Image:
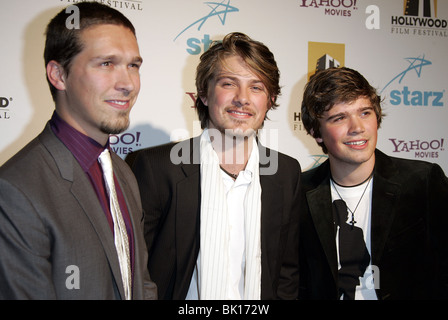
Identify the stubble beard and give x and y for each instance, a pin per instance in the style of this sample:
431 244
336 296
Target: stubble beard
117 125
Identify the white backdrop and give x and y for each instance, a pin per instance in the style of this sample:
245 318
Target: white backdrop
403 55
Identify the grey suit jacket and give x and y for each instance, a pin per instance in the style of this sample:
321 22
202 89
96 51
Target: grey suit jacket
55 241
171 196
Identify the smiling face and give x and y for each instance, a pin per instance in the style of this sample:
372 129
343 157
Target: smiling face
97 95
349 131
237 99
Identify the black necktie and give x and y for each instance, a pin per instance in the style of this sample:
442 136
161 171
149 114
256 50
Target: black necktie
353 255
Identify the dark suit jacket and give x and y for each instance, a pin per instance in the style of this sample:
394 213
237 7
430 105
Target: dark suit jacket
171 196
51 219
409 241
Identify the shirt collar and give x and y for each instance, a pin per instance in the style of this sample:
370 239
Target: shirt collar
253 161
85 149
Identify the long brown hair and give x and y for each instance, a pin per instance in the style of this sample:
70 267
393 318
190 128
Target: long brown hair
255 54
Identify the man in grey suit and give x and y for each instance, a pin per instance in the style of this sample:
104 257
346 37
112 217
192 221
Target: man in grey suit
56 224
221 209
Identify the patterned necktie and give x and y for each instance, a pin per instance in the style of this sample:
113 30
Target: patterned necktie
120 235
354 257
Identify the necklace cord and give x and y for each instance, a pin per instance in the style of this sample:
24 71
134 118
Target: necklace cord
359 201
232 175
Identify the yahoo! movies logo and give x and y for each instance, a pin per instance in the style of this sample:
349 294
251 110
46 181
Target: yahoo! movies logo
125 143
420 18
218 10
421 149
343 8
408 95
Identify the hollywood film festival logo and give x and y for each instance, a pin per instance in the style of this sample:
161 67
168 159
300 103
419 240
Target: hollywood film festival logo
136 5
5 105
321 56
420 18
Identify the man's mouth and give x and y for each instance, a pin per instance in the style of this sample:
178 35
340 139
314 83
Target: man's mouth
240 113
118 103
356 143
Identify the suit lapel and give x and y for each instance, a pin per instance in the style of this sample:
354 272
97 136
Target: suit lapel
384 194
321 213
271 219
271 211
83 192
188 203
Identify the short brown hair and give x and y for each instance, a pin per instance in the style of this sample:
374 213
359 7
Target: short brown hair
332 86
63 44
255 54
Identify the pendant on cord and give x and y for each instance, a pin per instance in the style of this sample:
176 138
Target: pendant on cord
353 220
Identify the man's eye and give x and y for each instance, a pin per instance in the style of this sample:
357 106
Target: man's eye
338 119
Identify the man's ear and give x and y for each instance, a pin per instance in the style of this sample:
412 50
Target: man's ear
56 75
204 100
318 139
272 101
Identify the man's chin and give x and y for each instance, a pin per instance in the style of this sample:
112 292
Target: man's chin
115 128
240 133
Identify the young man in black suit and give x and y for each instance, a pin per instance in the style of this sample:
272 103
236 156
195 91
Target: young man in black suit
221 209
399 205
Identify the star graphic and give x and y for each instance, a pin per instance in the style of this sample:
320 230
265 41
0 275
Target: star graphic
218 9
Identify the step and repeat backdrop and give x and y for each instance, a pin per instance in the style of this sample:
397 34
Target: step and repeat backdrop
400 46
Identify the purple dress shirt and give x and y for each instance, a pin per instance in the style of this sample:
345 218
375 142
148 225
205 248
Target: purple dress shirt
86 151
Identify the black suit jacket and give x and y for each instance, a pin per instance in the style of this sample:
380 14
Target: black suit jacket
171 196
409 243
